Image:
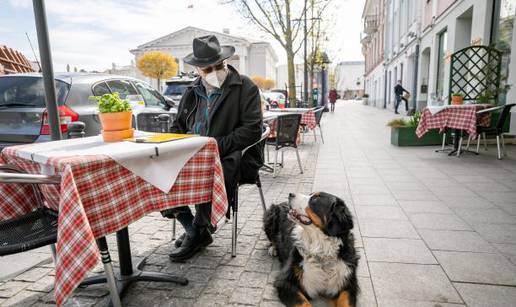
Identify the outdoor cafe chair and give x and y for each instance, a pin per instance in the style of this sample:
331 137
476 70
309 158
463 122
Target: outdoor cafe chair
234 204
496 130
287 128
318 116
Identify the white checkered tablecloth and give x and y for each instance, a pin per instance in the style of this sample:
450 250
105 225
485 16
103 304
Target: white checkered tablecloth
463 117
97 197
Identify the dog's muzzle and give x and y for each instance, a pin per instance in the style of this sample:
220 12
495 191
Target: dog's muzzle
301 218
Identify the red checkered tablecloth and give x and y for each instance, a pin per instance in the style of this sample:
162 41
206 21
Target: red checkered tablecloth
463 117
97 197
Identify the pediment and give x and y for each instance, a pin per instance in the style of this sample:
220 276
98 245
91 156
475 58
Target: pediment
186 35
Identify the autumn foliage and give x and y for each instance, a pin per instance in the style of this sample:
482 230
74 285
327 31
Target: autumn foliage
157 65
262 83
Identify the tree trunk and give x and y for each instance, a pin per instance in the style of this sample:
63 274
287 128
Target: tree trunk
291 79
159 85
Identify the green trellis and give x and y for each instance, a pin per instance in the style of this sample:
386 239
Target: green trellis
475 73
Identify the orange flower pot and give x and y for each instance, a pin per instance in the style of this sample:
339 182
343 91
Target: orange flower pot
117 135
116 121
457 100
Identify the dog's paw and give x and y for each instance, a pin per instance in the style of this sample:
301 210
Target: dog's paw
272 251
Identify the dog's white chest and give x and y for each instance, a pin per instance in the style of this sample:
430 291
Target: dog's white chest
324 278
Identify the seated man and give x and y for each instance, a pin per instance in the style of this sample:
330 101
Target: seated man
224 105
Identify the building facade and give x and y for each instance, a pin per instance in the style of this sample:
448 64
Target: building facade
349 79
419 38
373 40
252 58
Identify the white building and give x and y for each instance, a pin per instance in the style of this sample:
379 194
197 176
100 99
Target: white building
373 49
349 78
282 77
252 58
402 26
448 26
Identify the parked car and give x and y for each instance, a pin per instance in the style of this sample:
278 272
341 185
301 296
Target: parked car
23 116
275 99
176 87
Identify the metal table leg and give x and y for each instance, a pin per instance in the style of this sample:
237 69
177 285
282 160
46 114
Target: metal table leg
128 273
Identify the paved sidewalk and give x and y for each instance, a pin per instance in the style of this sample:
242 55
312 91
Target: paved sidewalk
433 230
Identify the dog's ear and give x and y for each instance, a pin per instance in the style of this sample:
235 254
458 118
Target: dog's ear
340 221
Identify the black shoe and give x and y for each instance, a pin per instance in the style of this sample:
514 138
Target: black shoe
179 240
396 112
191 244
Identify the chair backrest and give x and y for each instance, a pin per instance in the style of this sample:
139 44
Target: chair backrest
265 135
503 116
318 114
287 129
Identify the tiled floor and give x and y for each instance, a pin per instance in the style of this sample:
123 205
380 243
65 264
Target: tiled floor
432 230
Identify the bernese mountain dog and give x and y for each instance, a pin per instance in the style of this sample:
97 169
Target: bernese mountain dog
311 235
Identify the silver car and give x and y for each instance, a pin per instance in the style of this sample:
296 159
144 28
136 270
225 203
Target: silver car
23 117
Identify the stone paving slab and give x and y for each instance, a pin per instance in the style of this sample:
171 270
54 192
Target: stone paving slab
431 230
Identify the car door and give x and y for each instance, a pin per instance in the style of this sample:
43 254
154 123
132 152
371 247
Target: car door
147 118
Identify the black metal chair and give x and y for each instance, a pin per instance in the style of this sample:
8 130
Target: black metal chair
287 129
233 206
243 181
318 116
496 130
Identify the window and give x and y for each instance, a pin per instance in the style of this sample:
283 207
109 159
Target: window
150 95
28 92
100 89
502 34
401 72
442 37
123 87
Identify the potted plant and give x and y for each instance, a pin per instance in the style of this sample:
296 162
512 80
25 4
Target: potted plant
365 99
115 117
403 132
457 98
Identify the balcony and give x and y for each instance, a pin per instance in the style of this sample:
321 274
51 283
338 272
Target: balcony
370 24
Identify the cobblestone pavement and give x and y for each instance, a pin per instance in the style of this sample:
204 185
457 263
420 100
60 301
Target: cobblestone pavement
432 230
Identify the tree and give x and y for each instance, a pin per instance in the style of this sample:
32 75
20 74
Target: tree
269 84
259 81
282 19
157 65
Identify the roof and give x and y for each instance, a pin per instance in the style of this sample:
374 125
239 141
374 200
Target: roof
13 61
187 29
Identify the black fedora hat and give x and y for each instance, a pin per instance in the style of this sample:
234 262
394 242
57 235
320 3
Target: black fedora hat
208 51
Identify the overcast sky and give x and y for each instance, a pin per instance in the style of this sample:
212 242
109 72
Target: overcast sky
92 34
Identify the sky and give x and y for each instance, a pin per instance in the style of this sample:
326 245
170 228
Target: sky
92 34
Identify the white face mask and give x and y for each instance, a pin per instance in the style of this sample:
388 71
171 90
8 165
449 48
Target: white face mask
216 78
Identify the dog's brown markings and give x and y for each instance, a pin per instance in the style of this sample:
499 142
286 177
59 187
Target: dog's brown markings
342 300
298 272
305 302
314 217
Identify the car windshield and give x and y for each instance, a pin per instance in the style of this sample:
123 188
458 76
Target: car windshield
28 92
274 95
176 89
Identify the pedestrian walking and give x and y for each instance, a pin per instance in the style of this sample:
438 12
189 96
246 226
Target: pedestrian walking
398 92
332 96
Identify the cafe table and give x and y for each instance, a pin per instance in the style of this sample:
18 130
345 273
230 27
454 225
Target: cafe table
307 115
107 186
458 117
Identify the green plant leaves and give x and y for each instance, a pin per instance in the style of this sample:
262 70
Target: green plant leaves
111 103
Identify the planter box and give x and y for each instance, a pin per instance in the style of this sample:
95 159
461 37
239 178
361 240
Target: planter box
406 136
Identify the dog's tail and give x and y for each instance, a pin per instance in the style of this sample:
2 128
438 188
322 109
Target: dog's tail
271 221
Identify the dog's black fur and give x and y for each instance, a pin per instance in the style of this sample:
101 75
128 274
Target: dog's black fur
335 220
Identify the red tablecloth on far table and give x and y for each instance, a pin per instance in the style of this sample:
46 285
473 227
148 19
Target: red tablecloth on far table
97 197
462 117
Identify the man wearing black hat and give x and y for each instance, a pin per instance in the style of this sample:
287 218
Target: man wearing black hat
224 105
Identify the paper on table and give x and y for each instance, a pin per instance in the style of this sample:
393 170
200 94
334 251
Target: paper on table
139 158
